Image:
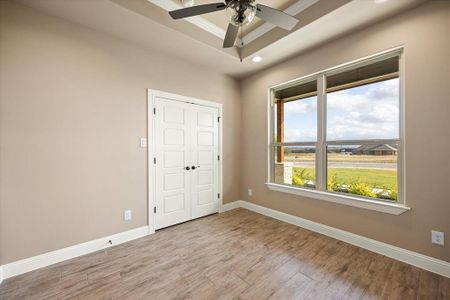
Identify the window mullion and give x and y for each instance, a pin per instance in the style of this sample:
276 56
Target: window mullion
271 141
321 150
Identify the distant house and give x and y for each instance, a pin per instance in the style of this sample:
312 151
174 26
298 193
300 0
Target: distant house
348 149
301 150
381 149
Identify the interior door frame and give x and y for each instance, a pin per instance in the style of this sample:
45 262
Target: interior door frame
151 167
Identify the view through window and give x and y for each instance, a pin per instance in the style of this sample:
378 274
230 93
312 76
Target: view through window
357 151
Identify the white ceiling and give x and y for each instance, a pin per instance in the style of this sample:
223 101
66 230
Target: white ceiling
156 31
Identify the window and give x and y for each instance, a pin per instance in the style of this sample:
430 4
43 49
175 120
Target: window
338 132
296 136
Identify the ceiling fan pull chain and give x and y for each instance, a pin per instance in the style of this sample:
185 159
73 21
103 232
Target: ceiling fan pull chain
242 44
242 41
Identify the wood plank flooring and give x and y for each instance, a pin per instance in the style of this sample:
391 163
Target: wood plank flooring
235 255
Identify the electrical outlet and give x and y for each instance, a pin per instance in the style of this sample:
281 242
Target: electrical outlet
250 192
437 237
143 142
127 215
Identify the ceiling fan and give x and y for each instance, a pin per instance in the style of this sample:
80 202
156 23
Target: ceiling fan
240 13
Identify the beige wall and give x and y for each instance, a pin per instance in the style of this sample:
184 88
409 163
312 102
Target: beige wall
73 107
425 32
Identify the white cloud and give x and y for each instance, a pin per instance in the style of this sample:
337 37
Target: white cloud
372 113
303 106
345 101
367 112
354 114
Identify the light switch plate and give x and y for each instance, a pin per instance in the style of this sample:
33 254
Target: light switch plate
250 192
143 142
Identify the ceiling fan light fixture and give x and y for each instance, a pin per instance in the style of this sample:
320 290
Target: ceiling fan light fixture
241 13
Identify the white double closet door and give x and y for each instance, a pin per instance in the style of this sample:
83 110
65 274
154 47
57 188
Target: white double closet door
187 170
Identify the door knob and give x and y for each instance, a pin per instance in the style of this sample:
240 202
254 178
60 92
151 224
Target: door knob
187 168
195 167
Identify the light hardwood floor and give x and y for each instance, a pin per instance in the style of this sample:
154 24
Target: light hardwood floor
235 255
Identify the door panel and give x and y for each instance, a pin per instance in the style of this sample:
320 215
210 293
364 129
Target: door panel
205 157
175 181
186 135
205 197
205 177
174 203
173 114
204 154
174 136
205 138
172 149
174 159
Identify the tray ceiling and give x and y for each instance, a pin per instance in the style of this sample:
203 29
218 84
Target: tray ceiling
199 39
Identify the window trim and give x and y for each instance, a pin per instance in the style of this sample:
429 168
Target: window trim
366 203
321 191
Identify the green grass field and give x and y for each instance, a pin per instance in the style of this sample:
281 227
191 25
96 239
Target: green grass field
372 178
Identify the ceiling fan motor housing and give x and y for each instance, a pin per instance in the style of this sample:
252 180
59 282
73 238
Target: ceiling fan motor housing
241 12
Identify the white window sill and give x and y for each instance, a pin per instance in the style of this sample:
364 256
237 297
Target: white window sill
385 207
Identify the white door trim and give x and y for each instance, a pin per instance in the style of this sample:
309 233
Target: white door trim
151 95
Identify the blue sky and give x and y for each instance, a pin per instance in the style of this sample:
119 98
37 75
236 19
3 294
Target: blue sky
365 112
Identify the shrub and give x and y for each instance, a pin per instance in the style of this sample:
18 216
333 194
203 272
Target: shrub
297 180
343 184
333 183
362 189
300 178
393 194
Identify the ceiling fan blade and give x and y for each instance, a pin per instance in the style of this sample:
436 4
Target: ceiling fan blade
276 17
196 10
231 35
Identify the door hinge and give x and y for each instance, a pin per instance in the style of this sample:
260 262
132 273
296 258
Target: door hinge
218 196
154 111
154 209
218 119
218 157
154 160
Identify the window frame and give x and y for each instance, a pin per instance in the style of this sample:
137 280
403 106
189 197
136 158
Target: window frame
321 192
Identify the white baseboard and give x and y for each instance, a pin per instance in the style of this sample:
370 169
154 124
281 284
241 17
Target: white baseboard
230 206
413 258
53 257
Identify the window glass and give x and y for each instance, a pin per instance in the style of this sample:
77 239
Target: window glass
295 165
364 112
368 170
300 120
